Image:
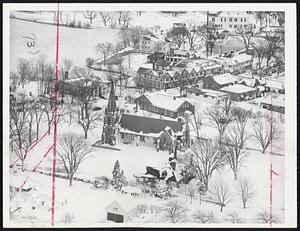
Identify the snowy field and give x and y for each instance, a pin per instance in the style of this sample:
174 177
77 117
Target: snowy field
72 41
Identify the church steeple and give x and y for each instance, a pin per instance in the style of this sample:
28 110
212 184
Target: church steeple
111 106
110 119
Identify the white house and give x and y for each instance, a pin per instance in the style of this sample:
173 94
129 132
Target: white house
229 20
121 211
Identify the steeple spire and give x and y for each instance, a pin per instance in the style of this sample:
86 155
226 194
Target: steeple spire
111 106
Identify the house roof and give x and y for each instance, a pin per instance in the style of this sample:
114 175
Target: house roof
143 124
238 89
125 204
274 100
225 78
143 70
163 63
240 58
165 101
274 84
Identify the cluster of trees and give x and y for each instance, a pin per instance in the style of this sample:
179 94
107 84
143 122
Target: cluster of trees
26 116
195 35
205 156
176 212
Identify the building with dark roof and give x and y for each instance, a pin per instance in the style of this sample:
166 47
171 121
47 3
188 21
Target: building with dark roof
162 133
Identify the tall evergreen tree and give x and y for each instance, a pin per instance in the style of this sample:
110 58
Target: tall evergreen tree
119 179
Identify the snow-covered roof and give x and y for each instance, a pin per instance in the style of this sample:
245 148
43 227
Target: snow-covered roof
125 204
213 93
225 78
233 14
248 81
240 58
274 84
165 101
238 88
275 100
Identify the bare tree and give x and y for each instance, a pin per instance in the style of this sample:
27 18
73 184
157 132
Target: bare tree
235 140
247 34
24 69
220 117
220 192
47 106
175 211
19 132
38 111
246 191
83 94
196 121
260 50
91 15
265 217
178 35
233 217
125 18
191 191
104 49
192 33
88 121
72 150
208 34
204 157
275 45
266 130
105 17
204 217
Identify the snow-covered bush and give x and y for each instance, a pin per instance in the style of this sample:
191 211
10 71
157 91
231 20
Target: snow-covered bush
233 217
265 217
175 211
102 182
67 218
204 217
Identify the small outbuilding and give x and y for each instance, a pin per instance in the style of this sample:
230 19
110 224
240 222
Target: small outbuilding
239 92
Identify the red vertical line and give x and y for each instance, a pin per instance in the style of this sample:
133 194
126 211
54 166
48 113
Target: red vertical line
271 170
55 118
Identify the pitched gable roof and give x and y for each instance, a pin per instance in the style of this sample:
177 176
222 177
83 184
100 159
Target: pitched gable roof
138 124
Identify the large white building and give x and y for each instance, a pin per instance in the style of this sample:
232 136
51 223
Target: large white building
152 43
230 20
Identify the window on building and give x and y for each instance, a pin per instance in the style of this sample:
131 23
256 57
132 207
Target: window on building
245 25
235 26
245 19
213 19
115 210
230 25
221 19
224 19
235 19
241 20
230 19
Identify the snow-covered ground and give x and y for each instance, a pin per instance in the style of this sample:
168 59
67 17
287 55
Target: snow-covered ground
74 43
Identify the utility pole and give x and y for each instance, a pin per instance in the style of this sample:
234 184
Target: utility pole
207 38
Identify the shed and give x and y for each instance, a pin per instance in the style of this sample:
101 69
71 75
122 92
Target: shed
121 210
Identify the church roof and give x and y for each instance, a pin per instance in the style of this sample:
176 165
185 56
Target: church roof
148 125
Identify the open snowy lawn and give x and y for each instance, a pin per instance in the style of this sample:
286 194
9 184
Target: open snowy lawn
74 43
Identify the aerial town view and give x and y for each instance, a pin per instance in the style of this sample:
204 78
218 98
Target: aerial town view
146 117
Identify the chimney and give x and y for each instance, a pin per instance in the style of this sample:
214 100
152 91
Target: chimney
66 75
